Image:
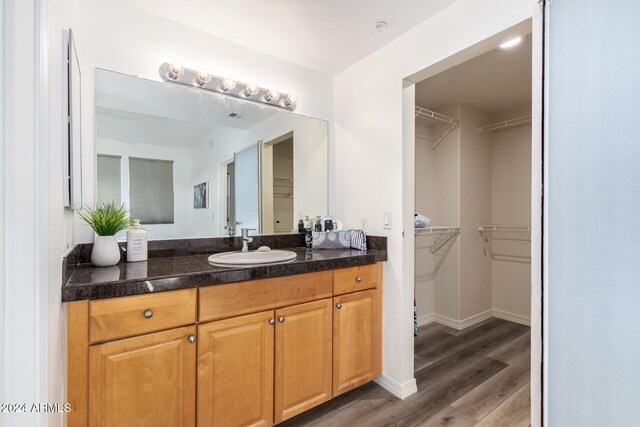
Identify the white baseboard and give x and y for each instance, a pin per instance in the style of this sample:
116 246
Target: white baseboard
401 391
518 318
426 319
473 320
477 318
446 321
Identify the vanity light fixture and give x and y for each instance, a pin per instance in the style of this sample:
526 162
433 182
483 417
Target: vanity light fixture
271 96
173 72
227 84
511 43
289 101
202 78
250 90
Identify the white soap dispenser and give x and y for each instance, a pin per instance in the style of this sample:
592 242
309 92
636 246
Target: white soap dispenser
136 242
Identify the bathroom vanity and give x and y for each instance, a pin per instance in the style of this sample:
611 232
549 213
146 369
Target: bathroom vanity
213 346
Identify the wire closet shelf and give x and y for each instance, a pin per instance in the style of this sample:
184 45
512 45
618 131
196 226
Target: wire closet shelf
507 124
282 188
439 241
439 124
507 243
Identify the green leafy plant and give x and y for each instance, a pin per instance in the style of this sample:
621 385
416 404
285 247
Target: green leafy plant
107 220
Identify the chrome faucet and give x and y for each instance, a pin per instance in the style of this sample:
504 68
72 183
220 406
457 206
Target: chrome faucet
245 238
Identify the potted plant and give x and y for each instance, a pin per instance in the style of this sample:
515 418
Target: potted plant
106 221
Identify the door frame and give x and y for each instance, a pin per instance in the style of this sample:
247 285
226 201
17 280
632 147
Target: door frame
535 26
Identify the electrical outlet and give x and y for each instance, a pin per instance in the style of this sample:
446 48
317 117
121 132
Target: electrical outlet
363 223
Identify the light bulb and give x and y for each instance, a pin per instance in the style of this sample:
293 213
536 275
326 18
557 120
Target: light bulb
202 78
250 90
511 43
272 95
175 70
227 84
290 101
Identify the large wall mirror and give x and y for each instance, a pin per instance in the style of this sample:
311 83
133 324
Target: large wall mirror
190 163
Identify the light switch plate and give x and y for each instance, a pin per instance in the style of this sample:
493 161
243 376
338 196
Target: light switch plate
386 220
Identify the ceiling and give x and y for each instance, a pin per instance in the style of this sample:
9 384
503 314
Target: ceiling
494 82
138 128
326 35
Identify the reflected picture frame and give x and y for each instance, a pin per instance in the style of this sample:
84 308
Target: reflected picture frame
201 196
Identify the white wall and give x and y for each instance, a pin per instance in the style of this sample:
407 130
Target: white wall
370 149
121 38
207 164
424 200
511 188
310 162
37 229
475 209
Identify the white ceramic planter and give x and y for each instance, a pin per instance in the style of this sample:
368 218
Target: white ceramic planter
105 251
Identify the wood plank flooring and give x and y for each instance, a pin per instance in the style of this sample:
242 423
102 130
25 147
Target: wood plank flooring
475 377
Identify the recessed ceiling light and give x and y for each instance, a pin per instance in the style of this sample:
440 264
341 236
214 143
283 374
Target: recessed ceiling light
511 43
380 26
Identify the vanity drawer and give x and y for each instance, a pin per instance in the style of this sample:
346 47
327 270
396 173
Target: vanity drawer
233 299
134 315
355 279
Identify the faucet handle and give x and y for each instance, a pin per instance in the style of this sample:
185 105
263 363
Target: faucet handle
244 232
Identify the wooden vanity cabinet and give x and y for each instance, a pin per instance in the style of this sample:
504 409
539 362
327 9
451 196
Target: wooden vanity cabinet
148 380
357 339
235 371
253 354
303 358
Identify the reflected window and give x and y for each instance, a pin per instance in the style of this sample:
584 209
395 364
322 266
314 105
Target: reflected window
151 190
109 179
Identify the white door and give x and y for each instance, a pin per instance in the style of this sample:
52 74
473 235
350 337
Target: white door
247 189
592 213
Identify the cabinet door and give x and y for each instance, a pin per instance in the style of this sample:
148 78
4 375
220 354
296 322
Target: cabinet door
357 340
303 358
235 371
144 381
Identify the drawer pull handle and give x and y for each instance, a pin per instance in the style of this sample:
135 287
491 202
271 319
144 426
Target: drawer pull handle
272 321
358 279
338 306
281 319
148 314
192 339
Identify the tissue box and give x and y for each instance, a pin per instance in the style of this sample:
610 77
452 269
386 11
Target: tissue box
331 240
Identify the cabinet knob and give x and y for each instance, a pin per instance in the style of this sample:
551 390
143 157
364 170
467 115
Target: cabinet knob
192 339
338 306
148 314
358 279
281 319
272 321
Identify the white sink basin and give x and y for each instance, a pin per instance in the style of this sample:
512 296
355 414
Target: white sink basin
251 257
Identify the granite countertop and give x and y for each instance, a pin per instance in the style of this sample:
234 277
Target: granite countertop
83 281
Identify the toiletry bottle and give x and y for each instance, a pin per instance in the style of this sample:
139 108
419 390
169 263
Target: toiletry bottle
301 226
328 224
318 226
136 242
307 222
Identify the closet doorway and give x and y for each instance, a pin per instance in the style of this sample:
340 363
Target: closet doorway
473 148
